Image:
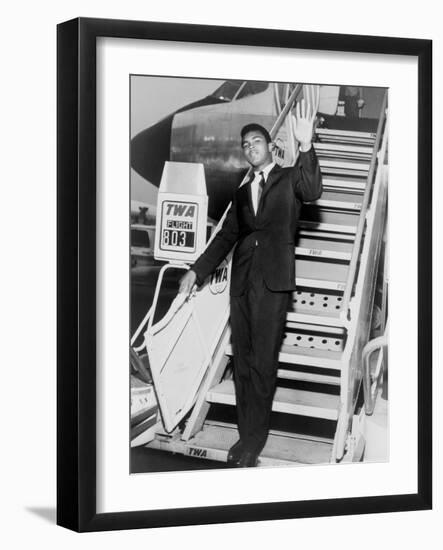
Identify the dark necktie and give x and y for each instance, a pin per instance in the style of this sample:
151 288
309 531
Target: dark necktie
261 184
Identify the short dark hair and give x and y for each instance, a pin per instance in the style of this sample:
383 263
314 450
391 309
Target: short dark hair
254 127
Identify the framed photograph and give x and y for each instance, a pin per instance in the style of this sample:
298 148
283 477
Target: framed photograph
244 240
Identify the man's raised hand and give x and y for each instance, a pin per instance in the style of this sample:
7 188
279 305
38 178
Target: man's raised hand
305 114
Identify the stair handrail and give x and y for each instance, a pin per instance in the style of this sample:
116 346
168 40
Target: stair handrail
352 271
380 344
140 327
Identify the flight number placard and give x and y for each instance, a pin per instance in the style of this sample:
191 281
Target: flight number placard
178 226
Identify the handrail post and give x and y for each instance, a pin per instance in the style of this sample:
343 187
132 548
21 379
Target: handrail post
377 344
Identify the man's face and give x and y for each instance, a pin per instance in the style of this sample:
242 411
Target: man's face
257 152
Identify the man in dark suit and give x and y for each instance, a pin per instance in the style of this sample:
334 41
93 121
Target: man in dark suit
262 222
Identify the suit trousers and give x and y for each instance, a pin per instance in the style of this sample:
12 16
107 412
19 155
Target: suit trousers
257 322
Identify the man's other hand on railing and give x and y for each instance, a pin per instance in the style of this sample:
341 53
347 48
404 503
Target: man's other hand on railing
187 282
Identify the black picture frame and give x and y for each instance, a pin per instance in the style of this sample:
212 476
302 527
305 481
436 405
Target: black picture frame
76 279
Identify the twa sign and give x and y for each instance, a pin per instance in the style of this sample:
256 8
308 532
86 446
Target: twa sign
219 279
182 211
179 226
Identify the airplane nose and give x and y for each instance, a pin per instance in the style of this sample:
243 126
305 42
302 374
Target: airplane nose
150 149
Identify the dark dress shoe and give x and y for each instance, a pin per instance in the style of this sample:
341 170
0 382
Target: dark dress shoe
248 460
235 452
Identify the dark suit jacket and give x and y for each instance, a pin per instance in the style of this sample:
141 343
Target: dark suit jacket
270 233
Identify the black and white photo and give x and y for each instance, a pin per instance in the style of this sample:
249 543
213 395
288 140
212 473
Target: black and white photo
274 350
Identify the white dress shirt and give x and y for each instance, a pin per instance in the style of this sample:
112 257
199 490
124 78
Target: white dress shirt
254 184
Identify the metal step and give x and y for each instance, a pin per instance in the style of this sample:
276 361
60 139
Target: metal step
216 438
339 200
344 151
327 135
334 228
313 339
317 303
281 447
345 168
321 248
325 220
328 319
325 275
331 330
330 235
297 355
336 182
272 431
313 357
289 401
287 374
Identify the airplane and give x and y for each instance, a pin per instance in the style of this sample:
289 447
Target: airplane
208 131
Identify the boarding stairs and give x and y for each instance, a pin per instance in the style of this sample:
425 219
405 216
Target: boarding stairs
315 407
